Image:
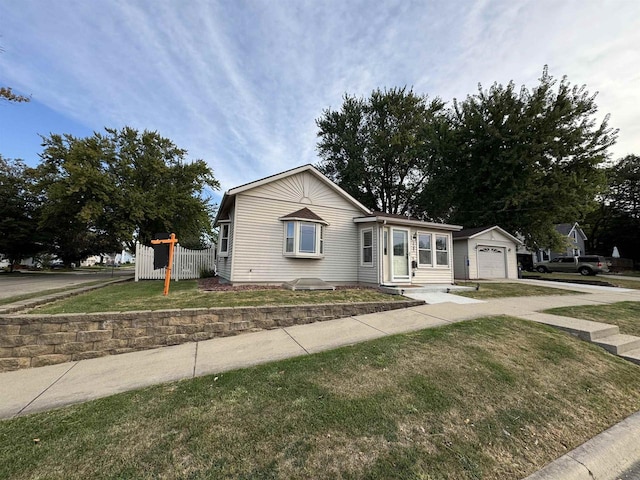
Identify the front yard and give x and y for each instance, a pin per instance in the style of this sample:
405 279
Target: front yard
576 277
147 295
494 398
488 290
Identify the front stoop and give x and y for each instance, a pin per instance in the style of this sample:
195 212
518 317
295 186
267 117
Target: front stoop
602 334
619 344
632 356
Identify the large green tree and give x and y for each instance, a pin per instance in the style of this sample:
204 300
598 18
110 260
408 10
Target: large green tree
616 222
382 149
110 190
19 235
522 159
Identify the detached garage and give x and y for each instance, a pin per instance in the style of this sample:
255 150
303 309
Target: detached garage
484 253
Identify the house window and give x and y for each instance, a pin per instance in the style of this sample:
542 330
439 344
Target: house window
424 249
367 247
289 237
303 239
224 239
442 250
307 238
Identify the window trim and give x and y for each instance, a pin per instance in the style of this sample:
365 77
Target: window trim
368 264
223 238
318 239
447 251
430 249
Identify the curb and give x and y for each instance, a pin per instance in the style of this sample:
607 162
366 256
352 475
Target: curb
604 457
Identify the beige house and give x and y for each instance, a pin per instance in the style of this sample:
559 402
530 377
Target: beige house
485 253
299 224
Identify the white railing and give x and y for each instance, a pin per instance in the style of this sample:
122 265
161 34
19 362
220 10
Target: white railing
187 263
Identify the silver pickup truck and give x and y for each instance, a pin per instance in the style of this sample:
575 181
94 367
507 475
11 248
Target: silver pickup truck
585 265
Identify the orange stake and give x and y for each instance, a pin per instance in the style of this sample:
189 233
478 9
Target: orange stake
172 240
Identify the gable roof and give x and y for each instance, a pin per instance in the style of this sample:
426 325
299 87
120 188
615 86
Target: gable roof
304 214
566 229
474 232
230 194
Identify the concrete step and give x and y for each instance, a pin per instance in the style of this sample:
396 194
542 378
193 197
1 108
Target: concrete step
632 356
585 329
619 344
406 289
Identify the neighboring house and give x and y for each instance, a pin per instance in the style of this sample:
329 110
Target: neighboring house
575 244
485 252
299 224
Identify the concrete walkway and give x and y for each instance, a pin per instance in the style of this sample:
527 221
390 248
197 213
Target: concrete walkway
37 389
31 390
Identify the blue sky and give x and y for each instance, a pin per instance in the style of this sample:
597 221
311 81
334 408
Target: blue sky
240 83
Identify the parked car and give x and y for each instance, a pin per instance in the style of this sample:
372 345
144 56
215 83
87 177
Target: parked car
584 265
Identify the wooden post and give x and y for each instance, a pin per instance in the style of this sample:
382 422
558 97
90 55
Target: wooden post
172 240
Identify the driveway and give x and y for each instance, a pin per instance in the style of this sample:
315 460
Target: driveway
34 282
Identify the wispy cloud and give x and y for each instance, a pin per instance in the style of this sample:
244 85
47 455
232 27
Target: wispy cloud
241 83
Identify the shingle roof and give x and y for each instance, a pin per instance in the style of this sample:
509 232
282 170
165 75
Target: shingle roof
303 213
469 232
564 228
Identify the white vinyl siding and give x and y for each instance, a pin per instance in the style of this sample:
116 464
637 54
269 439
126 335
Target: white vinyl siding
426 274
225 262
468 248
258 256
369 274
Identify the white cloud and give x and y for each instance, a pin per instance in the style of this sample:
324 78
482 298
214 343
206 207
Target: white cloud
240 84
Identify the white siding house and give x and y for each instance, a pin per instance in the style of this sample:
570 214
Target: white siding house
299 224
485 253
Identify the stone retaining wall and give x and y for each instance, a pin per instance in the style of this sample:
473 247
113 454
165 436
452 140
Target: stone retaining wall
38 340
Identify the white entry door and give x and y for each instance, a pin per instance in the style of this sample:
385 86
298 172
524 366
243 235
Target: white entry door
400 262
491 262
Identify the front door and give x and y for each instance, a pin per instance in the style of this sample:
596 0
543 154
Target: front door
400 262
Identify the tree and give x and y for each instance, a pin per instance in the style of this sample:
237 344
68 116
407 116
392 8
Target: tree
381 150
19 236
7 94
616 222
106 191
523 160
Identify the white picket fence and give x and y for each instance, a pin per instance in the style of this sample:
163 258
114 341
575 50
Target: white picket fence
187 263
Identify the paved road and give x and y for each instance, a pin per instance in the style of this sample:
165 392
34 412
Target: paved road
28 282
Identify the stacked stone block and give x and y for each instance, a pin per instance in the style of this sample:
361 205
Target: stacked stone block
38 340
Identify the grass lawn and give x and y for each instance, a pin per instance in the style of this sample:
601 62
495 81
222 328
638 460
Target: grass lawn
625 315
500 289
27 296
494 398
618 282
185 294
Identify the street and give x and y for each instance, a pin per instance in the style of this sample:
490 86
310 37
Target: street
33 282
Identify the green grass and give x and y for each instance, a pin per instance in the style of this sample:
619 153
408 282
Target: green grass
185 294
500 289
27 296
494 398
618 282
625 315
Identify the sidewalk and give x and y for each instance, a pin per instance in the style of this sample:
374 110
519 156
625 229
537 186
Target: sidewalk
39 389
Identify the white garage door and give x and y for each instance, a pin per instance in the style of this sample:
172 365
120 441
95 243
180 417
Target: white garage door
491 262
